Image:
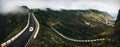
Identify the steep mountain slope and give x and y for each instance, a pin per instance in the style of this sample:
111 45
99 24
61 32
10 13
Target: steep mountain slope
12 23
79 22
76 24
117 27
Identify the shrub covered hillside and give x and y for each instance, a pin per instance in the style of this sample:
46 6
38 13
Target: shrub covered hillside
76 24
12 23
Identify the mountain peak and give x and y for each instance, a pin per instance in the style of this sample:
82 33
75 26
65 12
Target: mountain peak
25 7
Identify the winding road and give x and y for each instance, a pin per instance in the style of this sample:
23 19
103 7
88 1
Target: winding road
74 41
23 39
31 31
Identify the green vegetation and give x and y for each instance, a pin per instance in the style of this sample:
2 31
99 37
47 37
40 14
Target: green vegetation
11 24
76 24
71 23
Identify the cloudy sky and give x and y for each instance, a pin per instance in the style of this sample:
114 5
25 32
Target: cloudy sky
110 6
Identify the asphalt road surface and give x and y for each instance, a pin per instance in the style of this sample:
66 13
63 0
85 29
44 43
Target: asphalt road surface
22 40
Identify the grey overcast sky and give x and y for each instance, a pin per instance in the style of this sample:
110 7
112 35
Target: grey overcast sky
110 6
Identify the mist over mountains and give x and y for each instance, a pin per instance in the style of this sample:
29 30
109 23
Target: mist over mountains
76 24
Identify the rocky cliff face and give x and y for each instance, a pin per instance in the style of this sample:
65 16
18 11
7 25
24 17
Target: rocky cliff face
99 16
95 16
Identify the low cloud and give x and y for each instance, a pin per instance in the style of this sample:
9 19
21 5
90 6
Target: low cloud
110 6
